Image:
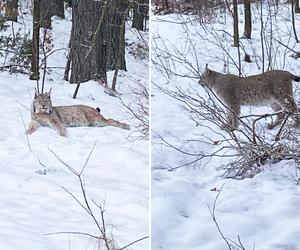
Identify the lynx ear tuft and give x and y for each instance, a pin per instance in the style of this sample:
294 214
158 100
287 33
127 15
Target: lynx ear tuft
207 70
49 92
36 93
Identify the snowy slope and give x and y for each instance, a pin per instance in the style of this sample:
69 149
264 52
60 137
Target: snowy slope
32 201
263 211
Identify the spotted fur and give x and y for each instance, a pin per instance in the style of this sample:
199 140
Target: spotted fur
274 88
60 117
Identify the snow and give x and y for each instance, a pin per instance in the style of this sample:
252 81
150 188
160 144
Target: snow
33 203
262 211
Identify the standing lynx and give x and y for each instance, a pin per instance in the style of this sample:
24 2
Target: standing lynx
274 88
60 117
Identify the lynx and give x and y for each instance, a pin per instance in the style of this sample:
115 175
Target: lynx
60 117
272 88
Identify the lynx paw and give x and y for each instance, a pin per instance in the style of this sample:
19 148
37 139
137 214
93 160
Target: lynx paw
125 126
29 132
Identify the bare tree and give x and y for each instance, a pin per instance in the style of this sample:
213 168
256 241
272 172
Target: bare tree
35 41
88 41
235 24
115 45
50 8
297 8
293 21
11 10
248 23
140 10
103 236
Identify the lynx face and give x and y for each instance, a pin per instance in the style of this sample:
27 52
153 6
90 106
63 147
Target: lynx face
206 78
42 104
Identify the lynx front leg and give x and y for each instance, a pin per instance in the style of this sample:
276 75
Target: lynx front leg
33 126
233 116
58 126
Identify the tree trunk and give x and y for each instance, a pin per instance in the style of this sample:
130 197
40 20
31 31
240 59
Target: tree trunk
293 21
50 8
297 8
88 41
35 41
248 24
45 10
139 14
116 35
235 24
11 10
58 9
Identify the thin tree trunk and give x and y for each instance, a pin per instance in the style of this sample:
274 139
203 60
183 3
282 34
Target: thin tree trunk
297 8
262 38
293 22
35 41
248 24
11 10
58 8
235 24
139 13
50 8
68 64
120 50
116 35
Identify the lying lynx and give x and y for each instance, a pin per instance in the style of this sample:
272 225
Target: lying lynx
272 88
60 117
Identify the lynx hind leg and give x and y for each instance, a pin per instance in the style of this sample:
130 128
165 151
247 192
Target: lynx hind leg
100 121
33 126
288 103
114 123
276 108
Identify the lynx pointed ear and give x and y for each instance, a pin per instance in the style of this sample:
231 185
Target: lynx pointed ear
206 68
49 92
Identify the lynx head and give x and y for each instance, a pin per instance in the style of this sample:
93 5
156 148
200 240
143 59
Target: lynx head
42 103
207 78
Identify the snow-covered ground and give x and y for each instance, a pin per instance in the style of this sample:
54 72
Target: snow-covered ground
263 211
32 201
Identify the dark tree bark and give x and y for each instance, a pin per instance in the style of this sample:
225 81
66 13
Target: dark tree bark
88 41
58 8
293 21
68 64
11 10
50 8
69 3
116 35
35 41
46 14
235 24
297 8
248 24
140 10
